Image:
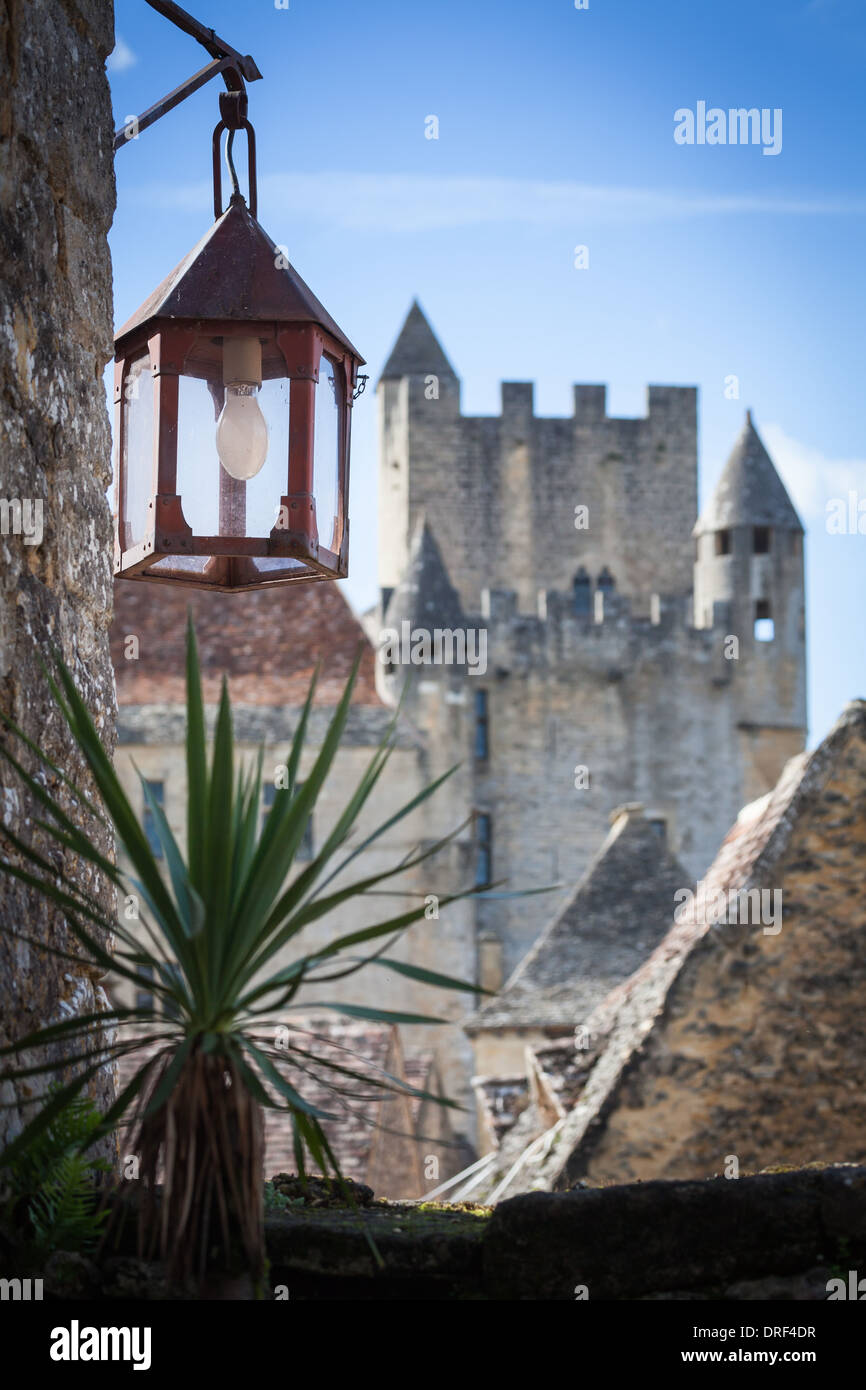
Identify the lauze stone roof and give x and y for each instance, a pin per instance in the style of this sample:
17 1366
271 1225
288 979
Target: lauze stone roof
733 1039
616 915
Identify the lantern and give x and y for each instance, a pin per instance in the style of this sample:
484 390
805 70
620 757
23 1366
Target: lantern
233 403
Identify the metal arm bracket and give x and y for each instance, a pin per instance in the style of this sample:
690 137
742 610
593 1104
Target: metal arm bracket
233 66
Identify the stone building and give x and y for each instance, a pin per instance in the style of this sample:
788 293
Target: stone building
620 665
738 1044
56 205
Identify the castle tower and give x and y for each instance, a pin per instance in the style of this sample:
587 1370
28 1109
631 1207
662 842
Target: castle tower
419 395
749 578
523 502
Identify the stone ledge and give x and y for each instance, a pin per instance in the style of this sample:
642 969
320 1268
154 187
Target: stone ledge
681 1238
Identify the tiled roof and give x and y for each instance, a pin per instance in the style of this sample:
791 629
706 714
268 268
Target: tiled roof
618 912
268 644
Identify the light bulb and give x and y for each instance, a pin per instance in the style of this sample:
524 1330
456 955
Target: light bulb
242 432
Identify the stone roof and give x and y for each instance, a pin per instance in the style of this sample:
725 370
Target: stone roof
689 1012
268 644
417 351
617 914
750 491
425 596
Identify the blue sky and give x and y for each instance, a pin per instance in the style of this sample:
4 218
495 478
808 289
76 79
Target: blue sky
555 130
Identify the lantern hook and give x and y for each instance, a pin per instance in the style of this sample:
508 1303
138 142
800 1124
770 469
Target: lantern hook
233 113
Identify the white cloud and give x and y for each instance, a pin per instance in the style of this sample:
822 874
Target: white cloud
810 477
419 202
121 58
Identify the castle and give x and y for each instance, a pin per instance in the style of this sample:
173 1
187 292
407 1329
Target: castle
635 652
620 661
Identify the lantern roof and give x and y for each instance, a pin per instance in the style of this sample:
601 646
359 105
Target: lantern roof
236 272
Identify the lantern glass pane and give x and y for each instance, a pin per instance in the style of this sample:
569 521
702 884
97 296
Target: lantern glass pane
326 458
136 451
215 503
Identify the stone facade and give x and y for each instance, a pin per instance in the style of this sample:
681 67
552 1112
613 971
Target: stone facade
56 205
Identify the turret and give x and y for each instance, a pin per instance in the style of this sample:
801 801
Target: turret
418 391
749 580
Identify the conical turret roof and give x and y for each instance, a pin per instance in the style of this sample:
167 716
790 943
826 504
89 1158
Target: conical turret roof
417 351
425 596
750 491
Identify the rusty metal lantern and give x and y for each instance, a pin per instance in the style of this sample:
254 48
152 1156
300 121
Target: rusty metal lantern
233 405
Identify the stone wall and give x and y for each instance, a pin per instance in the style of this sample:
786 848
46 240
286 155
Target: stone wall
501 491
56 205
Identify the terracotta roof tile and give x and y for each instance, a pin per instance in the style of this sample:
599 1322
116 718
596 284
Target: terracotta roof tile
267 641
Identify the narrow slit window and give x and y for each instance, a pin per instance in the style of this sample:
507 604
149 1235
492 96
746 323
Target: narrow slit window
482 726
483 849
606 581
582 593
723 542
765 628
761 540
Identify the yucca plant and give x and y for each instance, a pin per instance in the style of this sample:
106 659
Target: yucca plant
210 933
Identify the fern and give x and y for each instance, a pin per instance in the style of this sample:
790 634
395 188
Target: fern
58 1177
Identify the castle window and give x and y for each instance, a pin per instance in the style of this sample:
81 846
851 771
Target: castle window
761 540
269 792
157 791
765 628
483 849
582 593
606 582
482 726
723 542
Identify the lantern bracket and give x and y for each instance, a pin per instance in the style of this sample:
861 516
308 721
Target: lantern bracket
233 66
